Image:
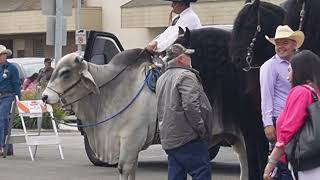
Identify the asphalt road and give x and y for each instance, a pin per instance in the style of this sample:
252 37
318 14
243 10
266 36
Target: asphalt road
76 166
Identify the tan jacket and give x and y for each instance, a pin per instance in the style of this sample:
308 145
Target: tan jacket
184 111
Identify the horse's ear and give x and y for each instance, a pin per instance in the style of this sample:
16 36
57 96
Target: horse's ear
256 3
187 34
181 31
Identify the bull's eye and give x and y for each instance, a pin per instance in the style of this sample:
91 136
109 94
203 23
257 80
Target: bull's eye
66 74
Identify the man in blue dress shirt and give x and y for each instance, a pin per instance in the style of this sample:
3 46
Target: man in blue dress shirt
9 87
275 85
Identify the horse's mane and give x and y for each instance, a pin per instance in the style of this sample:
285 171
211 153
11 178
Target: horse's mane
311 24
211 49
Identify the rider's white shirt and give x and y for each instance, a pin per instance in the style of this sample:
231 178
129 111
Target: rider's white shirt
187 19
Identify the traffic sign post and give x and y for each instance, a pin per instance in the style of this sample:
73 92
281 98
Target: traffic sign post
81 37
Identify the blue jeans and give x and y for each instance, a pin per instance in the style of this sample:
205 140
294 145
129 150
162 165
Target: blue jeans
5 107
191 158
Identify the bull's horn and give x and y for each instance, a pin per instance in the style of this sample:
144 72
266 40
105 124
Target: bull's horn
79 58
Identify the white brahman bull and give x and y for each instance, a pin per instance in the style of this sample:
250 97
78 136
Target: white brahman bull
96 92
99 91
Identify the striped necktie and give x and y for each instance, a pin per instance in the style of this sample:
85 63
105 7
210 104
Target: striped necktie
175 20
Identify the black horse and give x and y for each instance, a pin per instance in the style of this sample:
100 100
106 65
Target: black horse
308 12
231 77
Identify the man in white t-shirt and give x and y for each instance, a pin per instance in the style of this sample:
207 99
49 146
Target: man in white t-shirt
185 17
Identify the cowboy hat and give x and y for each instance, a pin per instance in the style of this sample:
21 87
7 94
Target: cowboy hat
4 50
187 1
285 32
176 50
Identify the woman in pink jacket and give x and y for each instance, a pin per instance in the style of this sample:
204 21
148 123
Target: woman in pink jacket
30 83
304 73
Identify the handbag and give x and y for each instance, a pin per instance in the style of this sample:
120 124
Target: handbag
303 151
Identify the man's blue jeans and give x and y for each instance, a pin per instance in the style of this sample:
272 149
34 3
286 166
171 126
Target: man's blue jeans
5 107
283 173
191 158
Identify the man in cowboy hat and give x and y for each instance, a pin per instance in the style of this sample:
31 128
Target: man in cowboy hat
184 114
46 72
185 17
274 84
9 87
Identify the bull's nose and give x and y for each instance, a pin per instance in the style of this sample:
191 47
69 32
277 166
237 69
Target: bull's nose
44 98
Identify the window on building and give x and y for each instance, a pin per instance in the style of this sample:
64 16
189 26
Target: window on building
38 47
8 43
20 53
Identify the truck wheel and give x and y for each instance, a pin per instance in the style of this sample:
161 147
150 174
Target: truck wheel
213 151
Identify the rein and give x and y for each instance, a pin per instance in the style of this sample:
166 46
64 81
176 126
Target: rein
302 14
250 51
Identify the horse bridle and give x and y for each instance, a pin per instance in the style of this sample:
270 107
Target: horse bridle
60 95
250 51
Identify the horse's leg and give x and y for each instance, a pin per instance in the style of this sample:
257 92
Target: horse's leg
257 152
239 147
128 157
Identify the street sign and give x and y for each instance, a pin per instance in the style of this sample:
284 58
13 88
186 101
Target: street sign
33 108
81 37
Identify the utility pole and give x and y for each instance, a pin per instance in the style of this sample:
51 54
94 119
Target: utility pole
78 23
58 31
56 35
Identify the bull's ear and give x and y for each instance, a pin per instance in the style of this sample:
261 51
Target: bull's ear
87 79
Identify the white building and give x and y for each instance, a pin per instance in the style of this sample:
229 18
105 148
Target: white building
134 22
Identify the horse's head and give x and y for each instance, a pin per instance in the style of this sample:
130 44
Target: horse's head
293 9
248 46
304 14
184 37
